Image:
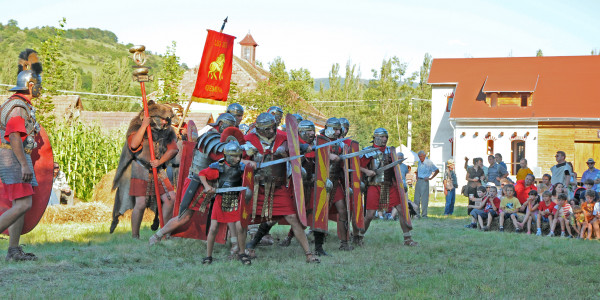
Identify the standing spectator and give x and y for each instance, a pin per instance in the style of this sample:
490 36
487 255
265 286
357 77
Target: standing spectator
545 185
474 178
561 172
498 159
450 184
61 192
592 173
426 171
524 170
524 186
495 171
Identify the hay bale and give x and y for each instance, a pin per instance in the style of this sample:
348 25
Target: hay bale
86 212
103 192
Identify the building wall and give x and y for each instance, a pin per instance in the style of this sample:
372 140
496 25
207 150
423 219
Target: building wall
474 144
441 129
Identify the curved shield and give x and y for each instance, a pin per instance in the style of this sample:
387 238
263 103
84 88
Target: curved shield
404 212
294 150
245 206
321 198
192 131
358 215
43 164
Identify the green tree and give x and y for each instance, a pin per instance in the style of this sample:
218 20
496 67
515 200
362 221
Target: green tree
539 53
169 77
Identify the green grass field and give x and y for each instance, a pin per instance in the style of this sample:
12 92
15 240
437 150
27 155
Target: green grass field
83 261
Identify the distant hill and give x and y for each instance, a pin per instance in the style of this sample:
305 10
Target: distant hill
325 82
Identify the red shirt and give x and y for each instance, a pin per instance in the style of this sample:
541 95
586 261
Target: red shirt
522 191
495 202
550 207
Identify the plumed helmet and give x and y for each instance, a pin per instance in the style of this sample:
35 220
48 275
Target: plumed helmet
265 120
235 109
232 148
333 123
177 112
306 125
30 71
23 80
380 132
298 117
345 123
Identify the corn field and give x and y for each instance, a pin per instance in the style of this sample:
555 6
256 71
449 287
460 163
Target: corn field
85 153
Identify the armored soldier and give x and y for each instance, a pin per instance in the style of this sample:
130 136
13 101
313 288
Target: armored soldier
345 127
18 128
277 112
333 131
237 111
135 157
225 173
272 197
382 189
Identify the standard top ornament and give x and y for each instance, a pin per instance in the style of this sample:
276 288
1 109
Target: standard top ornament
140 73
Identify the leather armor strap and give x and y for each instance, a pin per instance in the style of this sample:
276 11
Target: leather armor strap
384 197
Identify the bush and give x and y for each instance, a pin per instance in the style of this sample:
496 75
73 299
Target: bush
85 153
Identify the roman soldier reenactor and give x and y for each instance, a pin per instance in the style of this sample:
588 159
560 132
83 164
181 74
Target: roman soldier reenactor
135 160
18 129
272 198
237 111
382 189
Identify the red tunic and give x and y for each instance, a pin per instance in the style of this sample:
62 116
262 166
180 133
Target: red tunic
22 189
217 212
373 192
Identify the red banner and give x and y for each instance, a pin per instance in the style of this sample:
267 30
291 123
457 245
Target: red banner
214 73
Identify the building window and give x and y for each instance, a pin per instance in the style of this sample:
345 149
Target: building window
517 153
449 101
494 100
490 147
523 100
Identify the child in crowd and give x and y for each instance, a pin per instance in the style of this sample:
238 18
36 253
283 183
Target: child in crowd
545 184
477 209
563 215
596 221
578 220
546 210
587 208
531 213
491 205
508 207
557 189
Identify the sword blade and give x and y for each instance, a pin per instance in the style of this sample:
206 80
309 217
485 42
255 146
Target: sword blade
330 143
278 161
230 189
361 152
388 166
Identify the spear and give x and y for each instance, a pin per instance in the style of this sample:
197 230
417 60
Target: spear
140 74
190 102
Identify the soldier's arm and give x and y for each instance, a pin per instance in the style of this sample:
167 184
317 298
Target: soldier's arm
138 137
15 139
169 154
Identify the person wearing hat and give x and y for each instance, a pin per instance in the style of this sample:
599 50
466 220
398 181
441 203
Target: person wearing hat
450 185
592 173
523 170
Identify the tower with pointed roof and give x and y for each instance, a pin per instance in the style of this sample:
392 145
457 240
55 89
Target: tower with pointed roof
248 48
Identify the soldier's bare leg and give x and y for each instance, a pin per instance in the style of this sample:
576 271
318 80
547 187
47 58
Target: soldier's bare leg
233 235
173 224
18 209
343 224
301 237
210 239
241 236
167 205
368 218
136 216
408 241
13 220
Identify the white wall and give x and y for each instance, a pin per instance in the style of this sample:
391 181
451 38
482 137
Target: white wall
471 146
441 130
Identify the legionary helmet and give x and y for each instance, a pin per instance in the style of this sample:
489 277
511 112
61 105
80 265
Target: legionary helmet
235 109
224 121
30 71
331 126
277 112
264 122
231 151
303 128
378 134
177 113
298 117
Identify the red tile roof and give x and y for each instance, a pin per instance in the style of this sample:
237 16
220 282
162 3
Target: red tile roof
563 86
248 40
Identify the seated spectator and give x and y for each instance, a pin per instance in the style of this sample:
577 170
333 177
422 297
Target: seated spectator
563 215
491 206
524 170
557 189
61 192
531 210
546 210
508 207
477 209
475 177
587 209
523 187
545 184
596 221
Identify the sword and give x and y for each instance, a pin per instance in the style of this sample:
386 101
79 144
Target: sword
277 161
388 166
230 189
330 143
361 152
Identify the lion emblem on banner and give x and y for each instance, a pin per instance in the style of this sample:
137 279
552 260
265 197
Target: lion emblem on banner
217 67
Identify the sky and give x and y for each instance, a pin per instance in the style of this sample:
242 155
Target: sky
317 34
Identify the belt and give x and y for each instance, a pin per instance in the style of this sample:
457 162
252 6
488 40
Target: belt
421 178
8 146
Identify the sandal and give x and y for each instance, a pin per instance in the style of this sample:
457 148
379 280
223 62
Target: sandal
251 253
409 242
207 260
245 259
154 239
17 254
311 258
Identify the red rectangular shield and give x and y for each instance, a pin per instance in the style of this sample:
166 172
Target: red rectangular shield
291 128
347 187
245 207
358 214
404 212
321 199
214 72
